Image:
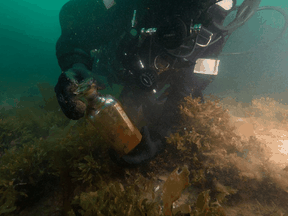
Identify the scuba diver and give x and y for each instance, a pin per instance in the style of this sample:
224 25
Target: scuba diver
160 51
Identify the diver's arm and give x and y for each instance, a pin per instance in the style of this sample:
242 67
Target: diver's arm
73 54
73 46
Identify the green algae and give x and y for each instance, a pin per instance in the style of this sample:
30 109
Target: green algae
69 158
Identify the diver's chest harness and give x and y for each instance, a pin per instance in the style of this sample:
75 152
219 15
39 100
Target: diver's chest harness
149 54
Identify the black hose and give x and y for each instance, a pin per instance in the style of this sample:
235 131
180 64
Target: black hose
244 12
275 40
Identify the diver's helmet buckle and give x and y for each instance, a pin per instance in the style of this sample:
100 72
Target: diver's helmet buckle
203 33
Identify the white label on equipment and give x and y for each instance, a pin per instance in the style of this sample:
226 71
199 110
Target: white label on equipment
207 66
225 4
109 3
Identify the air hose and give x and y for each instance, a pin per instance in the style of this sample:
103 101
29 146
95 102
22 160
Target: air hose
268 44
244 12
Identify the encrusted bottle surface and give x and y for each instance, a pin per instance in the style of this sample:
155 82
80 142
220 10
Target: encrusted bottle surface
106 114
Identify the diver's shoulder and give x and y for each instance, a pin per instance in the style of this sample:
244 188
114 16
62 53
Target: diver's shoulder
73 7
77 4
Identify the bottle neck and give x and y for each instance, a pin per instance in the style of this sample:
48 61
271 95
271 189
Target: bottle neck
95 101
92 96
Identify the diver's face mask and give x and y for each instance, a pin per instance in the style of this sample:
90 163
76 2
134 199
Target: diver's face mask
180 39
172 33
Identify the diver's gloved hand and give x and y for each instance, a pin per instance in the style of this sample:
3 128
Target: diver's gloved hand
142 153
67 83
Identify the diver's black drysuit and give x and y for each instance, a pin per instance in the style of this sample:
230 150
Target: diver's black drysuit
89 27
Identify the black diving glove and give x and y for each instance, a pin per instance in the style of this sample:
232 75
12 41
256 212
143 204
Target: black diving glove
68 81
146 150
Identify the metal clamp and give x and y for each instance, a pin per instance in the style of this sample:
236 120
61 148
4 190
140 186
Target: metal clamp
148 31
202 32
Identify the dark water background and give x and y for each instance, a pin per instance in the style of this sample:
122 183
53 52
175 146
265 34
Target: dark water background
28 34
29 30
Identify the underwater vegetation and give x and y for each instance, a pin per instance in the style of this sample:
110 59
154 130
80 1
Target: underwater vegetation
53 166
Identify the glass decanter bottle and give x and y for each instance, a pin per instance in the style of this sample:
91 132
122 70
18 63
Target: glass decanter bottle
106 114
